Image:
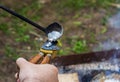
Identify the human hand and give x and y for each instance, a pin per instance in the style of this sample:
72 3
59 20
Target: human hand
30 72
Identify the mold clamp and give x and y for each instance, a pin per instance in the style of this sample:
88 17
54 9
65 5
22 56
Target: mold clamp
50 47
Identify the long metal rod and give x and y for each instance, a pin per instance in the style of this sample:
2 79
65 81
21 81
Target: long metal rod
23 18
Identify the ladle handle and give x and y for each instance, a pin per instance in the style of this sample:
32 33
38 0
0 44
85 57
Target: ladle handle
36 58
46 60
23 18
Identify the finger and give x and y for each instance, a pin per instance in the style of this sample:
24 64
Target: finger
21 62
18 80
16 75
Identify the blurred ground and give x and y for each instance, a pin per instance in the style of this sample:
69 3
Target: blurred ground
82 28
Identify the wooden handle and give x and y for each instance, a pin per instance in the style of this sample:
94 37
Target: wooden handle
36 58
46 59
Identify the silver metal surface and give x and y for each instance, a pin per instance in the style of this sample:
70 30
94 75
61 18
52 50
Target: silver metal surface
54 31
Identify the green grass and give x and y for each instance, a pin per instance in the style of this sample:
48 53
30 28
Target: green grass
4 28
80 46
31 11
79 4
18 29
10 52
21 29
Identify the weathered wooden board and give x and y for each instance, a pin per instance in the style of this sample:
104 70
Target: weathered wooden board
72 77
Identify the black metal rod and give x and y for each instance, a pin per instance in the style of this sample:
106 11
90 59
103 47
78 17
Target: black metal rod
23 18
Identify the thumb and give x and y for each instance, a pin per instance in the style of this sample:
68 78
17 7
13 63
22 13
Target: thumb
21 62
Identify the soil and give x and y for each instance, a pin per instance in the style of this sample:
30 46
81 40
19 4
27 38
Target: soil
83 24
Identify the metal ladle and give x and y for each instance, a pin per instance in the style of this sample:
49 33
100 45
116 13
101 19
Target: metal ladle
53 31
